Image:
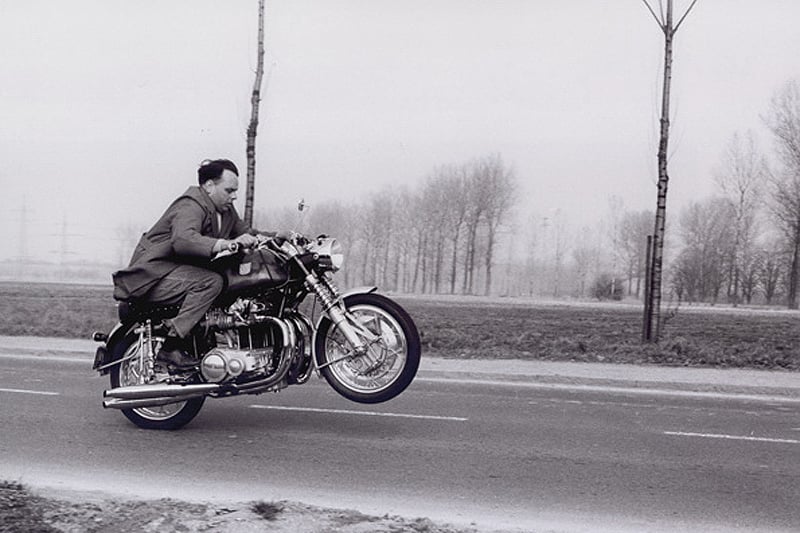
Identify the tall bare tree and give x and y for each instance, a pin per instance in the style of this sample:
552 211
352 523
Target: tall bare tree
558 235
499 184
585 259
739 178
665 22
436 202
768 269
252 128
405 202
631 246
472 222
783 120
701 268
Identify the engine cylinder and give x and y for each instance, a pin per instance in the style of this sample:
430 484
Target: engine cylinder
220 365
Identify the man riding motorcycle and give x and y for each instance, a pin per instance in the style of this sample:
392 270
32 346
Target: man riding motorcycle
171 264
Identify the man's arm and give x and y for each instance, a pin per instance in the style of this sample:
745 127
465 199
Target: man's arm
243 233
187 230
244 240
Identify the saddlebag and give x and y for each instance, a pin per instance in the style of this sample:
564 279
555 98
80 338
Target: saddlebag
254 268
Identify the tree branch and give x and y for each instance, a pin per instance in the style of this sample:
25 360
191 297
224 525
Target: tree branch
660 22
678 25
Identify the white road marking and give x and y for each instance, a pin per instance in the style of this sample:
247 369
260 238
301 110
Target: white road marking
79 358
365 413
25 391
620 390
731 437
643 405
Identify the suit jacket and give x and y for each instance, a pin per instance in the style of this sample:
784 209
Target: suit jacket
185 234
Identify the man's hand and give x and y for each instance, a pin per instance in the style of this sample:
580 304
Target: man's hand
283 236
245 240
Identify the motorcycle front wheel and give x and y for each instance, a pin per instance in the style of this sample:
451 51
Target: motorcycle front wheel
392 357
130 372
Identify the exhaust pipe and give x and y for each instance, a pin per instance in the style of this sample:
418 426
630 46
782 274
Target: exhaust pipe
133 396
160 390
119 403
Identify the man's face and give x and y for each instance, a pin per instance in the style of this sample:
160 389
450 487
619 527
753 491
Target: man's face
223 192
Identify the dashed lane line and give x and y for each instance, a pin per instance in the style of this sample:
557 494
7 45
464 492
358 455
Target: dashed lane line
76 358
731 437
364 413
26 391
642 391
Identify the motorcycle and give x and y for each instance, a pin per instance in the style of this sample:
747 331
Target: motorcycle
259 336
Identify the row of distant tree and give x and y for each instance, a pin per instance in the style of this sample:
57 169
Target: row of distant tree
442 237
456 233
743 245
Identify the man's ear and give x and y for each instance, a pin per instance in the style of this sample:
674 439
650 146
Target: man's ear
208 186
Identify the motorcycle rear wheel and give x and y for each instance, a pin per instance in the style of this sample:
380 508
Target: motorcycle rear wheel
170 416
390 363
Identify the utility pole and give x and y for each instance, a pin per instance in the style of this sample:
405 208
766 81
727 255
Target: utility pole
64 251
652 327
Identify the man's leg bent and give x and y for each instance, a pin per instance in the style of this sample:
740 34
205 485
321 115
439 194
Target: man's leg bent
198 287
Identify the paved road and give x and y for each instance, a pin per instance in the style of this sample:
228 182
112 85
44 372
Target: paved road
533 456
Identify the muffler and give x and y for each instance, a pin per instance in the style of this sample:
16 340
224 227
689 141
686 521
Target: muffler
119 403
160 390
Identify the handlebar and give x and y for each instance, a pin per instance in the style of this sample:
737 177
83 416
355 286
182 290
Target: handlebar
271 243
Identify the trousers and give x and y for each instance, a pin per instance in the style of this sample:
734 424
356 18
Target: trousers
194 288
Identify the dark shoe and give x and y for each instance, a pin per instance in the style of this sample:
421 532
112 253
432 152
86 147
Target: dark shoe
171 354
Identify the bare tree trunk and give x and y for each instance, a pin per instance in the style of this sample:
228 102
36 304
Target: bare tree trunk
385 275
488 263
471 265
663 181
252 128
467 254
439 264
453 264
365 265
654 316
396 272
425 269
417 261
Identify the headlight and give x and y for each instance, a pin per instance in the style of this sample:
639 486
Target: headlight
329 252
337 256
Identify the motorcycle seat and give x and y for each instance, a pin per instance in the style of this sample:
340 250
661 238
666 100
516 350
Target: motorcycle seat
136 310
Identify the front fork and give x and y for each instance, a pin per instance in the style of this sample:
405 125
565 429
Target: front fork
351 328
333 306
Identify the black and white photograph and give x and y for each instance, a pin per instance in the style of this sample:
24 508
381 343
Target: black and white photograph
383 266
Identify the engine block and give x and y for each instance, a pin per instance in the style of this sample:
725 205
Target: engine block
224 364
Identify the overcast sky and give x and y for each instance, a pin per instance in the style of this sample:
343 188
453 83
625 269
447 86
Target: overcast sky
108 106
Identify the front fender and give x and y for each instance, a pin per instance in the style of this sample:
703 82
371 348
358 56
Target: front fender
366 289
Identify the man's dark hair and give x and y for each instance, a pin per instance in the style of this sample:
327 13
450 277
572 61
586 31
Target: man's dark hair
213 169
